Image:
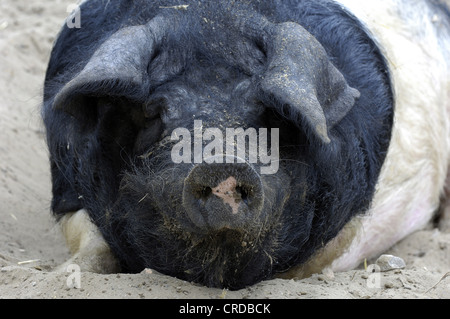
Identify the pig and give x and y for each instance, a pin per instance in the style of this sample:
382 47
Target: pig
231 142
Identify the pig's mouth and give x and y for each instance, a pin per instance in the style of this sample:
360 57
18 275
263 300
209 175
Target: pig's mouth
225 258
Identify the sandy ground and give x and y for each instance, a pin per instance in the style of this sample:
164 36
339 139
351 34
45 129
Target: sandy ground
30 242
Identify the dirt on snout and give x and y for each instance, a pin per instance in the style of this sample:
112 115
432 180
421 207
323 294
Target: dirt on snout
31 244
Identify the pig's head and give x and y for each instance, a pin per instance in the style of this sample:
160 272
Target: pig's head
154 134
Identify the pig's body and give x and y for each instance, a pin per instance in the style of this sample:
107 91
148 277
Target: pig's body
371 160
416 39
413 182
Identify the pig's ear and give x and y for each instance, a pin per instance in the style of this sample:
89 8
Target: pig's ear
116 69
305 84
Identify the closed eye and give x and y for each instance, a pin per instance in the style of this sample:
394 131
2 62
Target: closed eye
148 135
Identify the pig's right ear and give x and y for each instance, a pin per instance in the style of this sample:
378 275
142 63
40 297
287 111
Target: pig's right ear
305 85
116 69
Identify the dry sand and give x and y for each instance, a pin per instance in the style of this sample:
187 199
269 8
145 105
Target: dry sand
30 243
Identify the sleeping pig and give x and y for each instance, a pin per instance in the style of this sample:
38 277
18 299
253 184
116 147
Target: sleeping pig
229 142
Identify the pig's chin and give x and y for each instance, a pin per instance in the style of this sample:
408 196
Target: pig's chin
223 258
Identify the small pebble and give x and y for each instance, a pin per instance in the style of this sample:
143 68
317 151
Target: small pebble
389 262
389 285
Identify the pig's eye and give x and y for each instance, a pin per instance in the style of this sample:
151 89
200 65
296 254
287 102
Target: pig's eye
148 136
152 109
130 125
262 49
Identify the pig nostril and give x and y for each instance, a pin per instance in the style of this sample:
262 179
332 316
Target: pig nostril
243 193
205 192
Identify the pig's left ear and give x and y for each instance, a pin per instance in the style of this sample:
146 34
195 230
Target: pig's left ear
306 85
118 68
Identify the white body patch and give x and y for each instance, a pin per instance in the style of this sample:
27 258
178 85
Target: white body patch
89 250
414 174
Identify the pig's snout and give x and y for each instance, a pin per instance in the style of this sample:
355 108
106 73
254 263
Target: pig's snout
217 196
